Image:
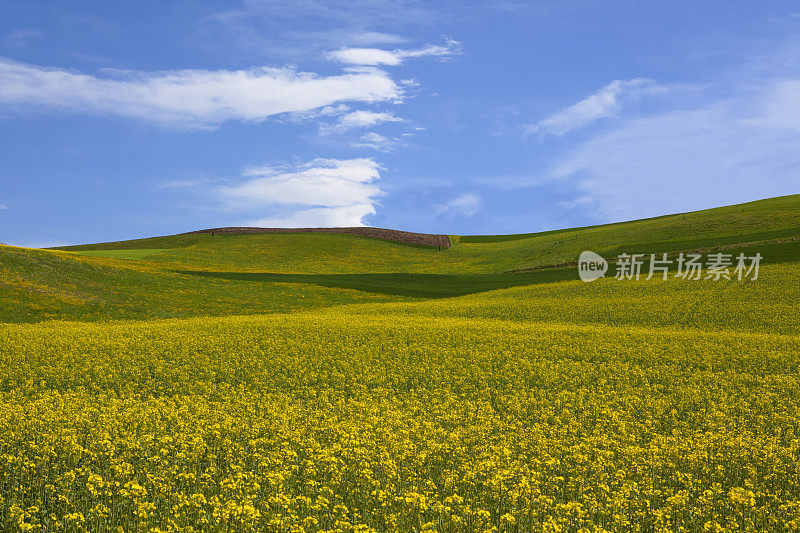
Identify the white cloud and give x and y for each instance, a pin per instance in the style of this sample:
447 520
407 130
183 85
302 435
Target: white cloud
376 141
327 111
358 119
374 37
602 104
188 98
319 217
3 207
372 137
721 153
321 192
362 119
466 204
378 56
366 56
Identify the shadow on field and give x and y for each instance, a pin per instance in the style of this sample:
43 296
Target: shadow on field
415 285
447 285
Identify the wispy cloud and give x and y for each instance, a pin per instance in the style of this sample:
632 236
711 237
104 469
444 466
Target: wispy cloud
314 114
355 13
378 56
719 153
361 119
3 207
374 37
188 98
779 106
286 27
20 37
465 204
322 192
358 119
376 141
319 217
185 184
602 104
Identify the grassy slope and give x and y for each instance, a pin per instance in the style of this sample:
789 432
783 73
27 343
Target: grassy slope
137 253
169 241
770 304
38 285
307 253
761 221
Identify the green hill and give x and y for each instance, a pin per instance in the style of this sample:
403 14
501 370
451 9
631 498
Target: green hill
765 222
39 285
201 274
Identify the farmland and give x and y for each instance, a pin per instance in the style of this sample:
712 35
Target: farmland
316 382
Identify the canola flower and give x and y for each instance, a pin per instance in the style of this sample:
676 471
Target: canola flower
334 421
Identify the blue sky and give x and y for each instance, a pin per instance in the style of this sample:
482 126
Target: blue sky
129 119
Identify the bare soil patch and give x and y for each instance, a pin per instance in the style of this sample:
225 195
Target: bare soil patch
407 237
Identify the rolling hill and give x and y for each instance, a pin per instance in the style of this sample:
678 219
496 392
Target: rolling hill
764 222
204 274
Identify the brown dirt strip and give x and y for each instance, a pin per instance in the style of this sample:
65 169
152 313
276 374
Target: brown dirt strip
406 237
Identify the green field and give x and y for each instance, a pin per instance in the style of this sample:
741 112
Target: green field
132 253
326 382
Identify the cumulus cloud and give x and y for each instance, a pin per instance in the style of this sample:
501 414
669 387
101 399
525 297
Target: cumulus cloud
723 152
466 204
322 192
602 104
378 56
188 98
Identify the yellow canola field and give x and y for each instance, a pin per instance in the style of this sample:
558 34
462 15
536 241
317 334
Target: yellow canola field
342 422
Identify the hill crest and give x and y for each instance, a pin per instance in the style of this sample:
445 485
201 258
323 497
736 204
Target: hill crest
408 237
